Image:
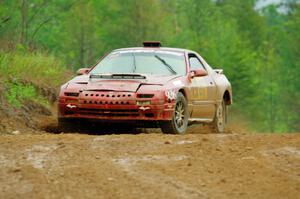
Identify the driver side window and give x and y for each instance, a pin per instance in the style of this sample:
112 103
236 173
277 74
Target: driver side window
195 64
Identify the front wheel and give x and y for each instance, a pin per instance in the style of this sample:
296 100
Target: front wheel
179 122
218 125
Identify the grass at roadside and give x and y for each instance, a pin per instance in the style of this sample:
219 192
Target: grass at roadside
23 74
38 68
16 93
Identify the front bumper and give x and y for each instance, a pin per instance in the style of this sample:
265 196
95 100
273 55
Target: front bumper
115 106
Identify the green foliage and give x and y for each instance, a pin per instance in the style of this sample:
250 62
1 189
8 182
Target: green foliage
38 68
258 50
16 93
22 72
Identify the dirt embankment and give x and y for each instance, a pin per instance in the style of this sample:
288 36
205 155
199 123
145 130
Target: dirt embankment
150 166
31 116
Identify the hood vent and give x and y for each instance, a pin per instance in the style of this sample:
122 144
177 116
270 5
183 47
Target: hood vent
117 76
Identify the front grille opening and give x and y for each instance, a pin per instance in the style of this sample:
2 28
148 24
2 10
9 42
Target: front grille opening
69 112
106 102
114 95
109 112
149 114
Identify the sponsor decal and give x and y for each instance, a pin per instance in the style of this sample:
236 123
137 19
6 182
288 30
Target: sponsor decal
171 94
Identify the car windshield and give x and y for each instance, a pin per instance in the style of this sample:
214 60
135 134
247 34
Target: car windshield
142 62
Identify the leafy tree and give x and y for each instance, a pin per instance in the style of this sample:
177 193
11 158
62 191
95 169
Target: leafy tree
259 50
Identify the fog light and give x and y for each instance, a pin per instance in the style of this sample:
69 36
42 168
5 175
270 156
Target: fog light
71 101
70 106
143 103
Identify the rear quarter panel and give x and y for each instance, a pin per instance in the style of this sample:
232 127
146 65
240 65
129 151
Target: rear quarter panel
221 82
222 85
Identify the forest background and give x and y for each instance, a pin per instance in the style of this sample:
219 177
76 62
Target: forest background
257 46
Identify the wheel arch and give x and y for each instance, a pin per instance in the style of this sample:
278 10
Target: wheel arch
182 90
227 97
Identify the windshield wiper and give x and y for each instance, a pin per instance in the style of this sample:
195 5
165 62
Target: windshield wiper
169 67
134 63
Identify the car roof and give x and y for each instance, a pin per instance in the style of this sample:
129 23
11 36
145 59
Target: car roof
155 48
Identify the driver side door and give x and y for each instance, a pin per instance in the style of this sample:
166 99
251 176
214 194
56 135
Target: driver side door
203 91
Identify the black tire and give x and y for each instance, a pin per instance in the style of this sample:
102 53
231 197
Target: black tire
179 122
218 125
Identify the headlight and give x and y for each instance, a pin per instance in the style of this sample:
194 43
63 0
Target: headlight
71 94
171 94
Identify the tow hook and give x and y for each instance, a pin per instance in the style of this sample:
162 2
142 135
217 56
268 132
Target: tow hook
70 106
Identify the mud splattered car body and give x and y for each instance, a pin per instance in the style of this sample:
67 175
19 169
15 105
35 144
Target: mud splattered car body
169 86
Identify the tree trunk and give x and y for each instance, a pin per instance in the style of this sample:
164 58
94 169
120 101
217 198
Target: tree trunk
24 14
81 46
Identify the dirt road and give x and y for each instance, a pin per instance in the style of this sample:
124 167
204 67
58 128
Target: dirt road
149 166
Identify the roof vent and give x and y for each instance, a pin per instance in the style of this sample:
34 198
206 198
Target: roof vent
152 44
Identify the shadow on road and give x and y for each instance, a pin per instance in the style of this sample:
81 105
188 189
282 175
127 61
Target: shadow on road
96 128
100 129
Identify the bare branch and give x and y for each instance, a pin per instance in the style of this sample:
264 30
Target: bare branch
4 20
42 6
40 26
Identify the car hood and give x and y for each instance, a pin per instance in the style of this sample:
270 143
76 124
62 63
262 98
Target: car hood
130 85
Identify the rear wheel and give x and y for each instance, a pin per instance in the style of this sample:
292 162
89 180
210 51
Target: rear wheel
178 124
218 125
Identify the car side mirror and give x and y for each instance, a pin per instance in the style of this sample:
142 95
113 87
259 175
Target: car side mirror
83 71
198 73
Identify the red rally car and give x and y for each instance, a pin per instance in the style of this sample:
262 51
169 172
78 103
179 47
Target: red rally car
167 87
